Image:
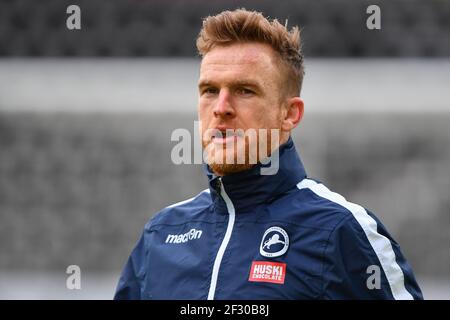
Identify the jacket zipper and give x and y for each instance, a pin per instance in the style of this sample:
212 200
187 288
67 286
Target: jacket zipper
226 239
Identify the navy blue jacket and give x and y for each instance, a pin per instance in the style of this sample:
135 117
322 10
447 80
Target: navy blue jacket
253 236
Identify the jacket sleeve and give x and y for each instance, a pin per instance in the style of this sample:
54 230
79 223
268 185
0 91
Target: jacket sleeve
131 279
362 261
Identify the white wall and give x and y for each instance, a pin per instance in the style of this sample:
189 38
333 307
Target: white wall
170 85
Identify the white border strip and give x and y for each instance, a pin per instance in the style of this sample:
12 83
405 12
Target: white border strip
380 244
188 200
141 85
223 246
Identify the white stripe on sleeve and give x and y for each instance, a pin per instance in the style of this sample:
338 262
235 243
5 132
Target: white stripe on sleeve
380 244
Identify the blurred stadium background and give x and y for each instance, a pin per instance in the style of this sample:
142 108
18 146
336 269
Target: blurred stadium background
86 118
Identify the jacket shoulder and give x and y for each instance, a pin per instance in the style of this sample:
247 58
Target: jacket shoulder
312 205
182 212
333 204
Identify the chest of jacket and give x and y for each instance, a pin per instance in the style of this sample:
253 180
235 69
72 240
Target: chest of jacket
263 259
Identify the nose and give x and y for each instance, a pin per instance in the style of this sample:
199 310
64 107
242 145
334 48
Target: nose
223 107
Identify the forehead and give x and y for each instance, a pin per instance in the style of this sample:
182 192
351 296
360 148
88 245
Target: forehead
250 59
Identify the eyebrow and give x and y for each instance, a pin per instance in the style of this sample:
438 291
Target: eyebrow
237 83
205 83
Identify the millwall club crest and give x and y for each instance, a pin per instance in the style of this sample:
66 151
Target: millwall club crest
275 242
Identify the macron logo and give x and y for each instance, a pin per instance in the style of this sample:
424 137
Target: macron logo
183 238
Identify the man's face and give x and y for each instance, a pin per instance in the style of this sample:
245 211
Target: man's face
239 88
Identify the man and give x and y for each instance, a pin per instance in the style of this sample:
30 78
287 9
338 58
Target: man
255 234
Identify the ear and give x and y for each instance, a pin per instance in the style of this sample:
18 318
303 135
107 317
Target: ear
293 113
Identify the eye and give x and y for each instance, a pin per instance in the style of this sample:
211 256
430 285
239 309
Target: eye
245 91
210 90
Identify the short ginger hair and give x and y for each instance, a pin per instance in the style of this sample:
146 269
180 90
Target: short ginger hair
240 25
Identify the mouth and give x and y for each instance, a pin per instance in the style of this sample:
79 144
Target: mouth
225 136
